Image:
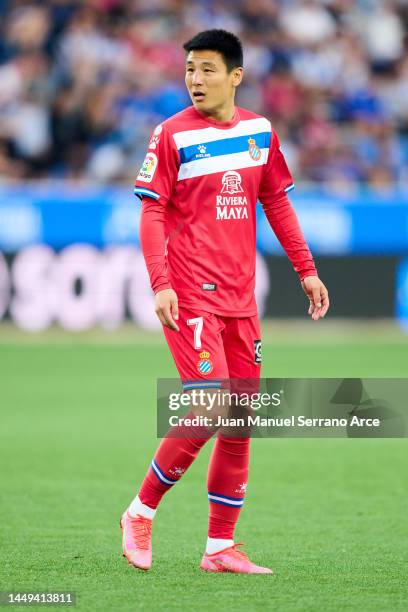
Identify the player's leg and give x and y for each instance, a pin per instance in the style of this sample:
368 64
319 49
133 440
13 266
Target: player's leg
229 465
199 355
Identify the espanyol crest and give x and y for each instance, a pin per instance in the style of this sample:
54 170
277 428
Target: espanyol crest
205 366
253 150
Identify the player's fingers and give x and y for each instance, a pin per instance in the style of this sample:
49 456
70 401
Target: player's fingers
323 312
313 308
317 302
316 312
161 317
169 321
161 313
319 313
174 309
325 303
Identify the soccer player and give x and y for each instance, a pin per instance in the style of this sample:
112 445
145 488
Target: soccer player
205 169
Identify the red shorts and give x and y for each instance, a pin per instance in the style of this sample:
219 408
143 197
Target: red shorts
210 348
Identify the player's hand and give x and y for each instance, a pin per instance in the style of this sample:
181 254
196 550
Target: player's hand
167 308
318 297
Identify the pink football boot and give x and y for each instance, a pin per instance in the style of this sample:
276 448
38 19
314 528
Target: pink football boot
137 544
231 560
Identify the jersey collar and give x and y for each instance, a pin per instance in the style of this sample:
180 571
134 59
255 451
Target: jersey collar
222 125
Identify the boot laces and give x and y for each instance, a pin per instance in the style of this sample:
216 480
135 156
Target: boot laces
238 554
141 531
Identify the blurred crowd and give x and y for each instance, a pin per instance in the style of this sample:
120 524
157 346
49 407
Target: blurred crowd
83 83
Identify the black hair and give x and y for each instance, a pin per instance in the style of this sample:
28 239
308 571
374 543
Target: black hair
226 43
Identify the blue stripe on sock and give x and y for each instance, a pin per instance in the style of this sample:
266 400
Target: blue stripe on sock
161 476
217 501
226 496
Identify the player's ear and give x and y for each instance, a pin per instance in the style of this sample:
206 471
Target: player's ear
237 75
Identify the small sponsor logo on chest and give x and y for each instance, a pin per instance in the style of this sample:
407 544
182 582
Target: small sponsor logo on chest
209 287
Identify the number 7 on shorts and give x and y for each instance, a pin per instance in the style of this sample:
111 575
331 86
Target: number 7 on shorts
198 323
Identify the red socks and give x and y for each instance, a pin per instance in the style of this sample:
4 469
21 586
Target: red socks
172 459
227 481
227 474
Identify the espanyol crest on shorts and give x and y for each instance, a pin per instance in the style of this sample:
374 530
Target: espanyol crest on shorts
205 366
253 150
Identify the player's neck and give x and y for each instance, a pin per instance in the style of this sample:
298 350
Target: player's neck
223 114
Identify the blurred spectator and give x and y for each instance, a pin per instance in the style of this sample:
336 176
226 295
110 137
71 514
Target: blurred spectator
383 34
307 22
83 83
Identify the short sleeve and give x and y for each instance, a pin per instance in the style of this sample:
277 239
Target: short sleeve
158 175
277 178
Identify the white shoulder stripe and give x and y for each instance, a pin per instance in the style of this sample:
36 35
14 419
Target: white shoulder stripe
221 163
211 134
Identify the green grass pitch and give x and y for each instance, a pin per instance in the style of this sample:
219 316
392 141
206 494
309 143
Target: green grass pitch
78 432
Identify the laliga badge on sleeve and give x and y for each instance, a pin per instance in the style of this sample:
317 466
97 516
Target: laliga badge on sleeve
148 168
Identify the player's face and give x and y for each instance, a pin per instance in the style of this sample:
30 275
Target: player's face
210 85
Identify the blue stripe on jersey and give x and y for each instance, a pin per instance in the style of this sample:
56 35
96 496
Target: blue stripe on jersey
142 191
226 146
287 189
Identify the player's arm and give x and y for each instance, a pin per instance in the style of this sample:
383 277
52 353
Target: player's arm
277 181
153 243
154 186
283 221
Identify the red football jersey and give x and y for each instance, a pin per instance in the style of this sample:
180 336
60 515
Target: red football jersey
207 177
